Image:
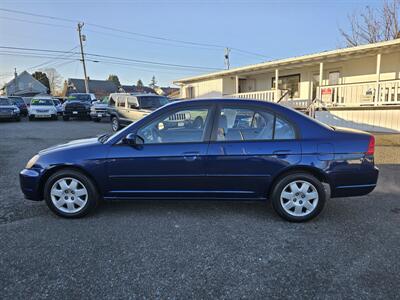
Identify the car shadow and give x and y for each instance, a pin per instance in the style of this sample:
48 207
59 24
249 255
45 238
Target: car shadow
253 209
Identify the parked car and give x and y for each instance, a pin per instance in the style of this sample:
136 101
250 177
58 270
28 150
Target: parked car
58 105
78 106
8 110
42 108
20 103
277 154
126 108
99 110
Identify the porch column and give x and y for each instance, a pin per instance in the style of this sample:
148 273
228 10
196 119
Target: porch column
276 85
321 76
378 77
237 85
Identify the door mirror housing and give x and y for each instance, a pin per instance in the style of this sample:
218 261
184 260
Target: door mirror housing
134 140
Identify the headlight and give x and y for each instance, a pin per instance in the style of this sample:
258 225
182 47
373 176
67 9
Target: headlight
32 161
16 110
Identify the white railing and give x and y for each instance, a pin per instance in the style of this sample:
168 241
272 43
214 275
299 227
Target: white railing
362 94
268 95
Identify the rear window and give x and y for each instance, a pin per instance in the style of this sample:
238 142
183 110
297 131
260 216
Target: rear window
80 97
152 102
42 102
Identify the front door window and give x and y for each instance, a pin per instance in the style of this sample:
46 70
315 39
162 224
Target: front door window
183 126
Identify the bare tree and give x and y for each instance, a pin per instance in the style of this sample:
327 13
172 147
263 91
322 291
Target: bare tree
373 25
55 80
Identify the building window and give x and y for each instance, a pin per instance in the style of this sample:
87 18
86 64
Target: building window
334 77
190 92
290 83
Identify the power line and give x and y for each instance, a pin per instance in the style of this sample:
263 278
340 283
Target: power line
113 57
52 60
149 36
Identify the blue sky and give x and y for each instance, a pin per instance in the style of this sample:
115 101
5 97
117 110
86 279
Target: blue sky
275 29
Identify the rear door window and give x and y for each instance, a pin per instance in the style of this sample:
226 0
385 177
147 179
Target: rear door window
242 124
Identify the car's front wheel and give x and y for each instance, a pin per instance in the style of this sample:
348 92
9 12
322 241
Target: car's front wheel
65 118
31 117
298 197
115 124
70 194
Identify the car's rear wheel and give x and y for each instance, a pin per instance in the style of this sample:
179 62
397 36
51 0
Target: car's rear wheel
298 197
115 124
70 194
65 118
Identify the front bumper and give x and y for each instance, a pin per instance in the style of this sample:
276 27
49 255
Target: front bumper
4 116
29 180
76 113
99 114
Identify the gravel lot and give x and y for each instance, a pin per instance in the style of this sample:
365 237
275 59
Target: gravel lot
190 249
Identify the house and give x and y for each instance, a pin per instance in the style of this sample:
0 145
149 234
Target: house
360 86
134 89
100 88
24 85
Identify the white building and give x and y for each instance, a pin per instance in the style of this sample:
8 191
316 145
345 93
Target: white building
359 85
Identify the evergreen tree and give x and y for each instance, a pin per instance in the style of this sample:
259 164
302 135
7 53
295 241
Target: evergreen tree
115 79
42 77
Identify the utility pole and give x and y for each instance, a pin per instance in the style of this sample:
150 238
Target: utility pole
226 58
81 39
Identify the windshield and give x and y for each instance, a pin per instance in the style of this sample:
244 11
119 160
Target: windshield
79 97
42 102
17 100
152 102
4 102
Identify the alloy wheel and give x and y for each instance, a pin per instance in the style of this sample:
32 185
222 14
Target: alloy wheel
115 124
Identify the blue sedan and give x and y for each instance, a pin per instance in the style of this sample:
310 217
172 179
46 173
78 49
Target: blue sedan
208 149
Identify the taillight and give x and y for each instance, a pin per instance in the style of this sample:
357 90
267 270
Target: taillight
371 146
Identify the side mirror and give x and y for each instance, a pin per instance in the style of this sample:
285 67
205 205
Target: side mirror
134 140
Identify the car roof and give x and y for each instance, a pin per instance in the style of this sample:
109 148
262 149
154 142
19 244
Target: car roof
229 101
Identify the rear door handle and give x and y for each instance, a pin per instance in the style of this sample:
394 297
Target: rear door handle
278 152
190 156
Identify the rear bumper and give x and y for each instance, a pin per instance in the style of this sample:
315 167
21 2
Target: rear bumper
29 180
358 184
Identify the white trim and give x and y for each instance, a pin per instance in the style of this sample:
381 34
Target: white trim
299 59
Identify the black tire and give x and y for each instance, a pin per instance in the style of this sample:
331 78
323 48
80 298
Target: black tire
18 119
31 118
115 124
54 117
96 120
284 182
65 118
92 198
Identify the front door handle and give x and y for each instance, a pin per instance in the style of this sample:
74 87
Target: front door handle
190 156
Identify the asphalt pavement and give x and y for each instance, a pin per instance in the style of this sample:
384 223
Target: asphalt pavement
190 249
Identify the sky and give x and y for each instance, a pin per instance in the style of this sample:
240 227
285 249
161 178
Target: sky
267 29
